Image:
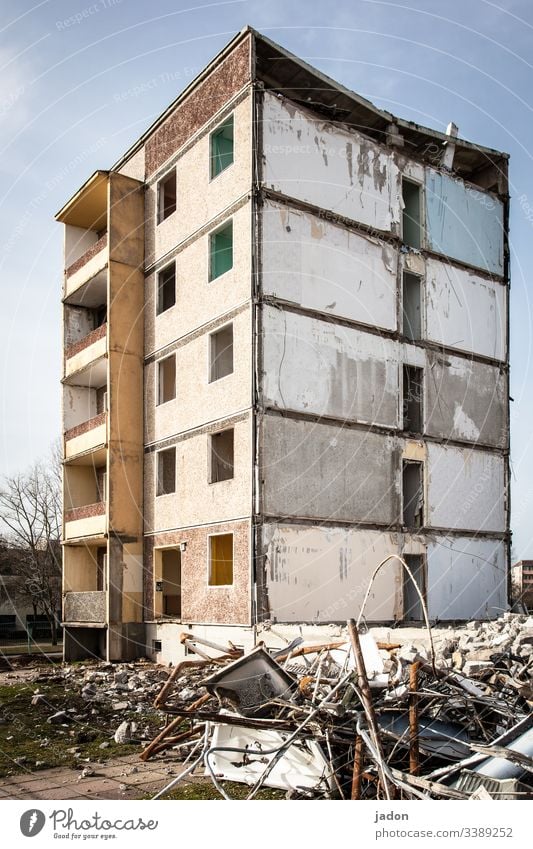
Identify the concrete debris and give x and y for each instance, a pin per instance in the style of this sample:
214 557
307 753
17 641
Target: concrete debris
359 718
125 732
58 718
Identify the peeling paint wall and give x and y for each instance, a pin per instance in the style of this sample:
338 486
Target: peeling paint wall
323 471
464 222
465 311
314 366
318 265
466 578
308 158
465 489
321 574
465 400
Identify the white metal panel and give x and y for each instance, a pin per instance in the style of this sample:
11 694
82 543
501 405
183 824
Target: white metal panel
314 366
465 311
466 578
465 489
310 159
322 266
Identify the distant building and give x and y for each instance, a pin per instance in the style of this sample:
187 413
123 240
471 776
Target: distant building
285 357
522 582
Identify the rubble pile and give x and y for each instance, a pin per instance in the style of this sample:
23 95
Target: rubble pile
359 719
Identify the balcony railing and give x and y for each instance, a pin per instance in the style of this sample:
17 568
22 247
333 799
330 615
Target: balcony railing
89 253
85 427
85 607
85 512
90 339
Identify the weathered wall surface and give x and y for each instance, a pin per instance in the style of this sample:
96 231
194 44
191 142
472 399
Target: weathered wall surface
197 501
465 400
322 471
465 489
199 601
318 265
199 300
197 400
200 199
225 80
465 311
463 222
313 366
311 159
321 574
466 578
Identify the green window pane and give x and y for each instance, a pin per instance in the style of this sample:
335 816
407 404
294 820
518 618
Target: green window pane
222 147
221 252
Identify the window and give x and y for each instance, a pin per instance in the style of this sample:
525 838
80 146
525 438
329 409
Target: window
412 302
413 390
166 288
221 251
166 199
101 483
411 228
413 499
166 379
220 560
221 147
412 606
221 353
222 456
171 582
166 471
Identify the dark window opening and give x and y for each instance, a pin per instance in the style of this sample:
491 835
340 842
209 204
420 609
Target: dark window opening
166 471
166 288
101 559
413 496
221 251
413 391
171 582
412 605
166 370
222 456
411 224
167 196
412 306
222 147
221 353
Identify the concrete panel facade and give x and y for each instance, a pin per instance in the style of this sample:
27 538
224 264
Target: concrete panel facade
320 266
465 311
313 366
321 574
464 222
321 471
465 489
466 578
308 158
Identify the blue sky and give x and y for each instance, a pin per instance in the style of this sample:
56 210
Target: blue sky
82 80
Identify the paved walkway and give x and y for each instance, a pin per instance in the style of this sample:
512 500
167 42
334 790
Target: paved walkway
121 778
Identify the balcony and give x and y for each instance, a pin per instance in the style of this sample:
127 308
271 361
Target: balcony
86 438
85 360
87 267
86 521
86 607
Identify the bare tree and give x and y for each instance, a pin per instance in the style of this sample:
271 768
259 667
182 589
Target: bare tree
30 509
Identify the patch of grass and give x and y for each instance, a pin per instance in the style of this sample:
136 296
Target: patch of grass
29 743
204 789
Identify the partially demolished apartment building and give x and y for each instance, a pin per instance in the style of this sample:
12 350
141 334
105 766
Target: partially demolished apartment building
285 357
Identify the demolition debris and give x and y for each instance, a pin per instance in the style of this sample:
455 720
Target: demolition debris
356 718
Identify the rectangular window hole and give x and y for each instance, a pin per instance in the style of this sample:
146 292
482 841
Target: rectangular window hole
166 288
166 471
221 251
413 392
222 456
221 353
411 226
166 379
